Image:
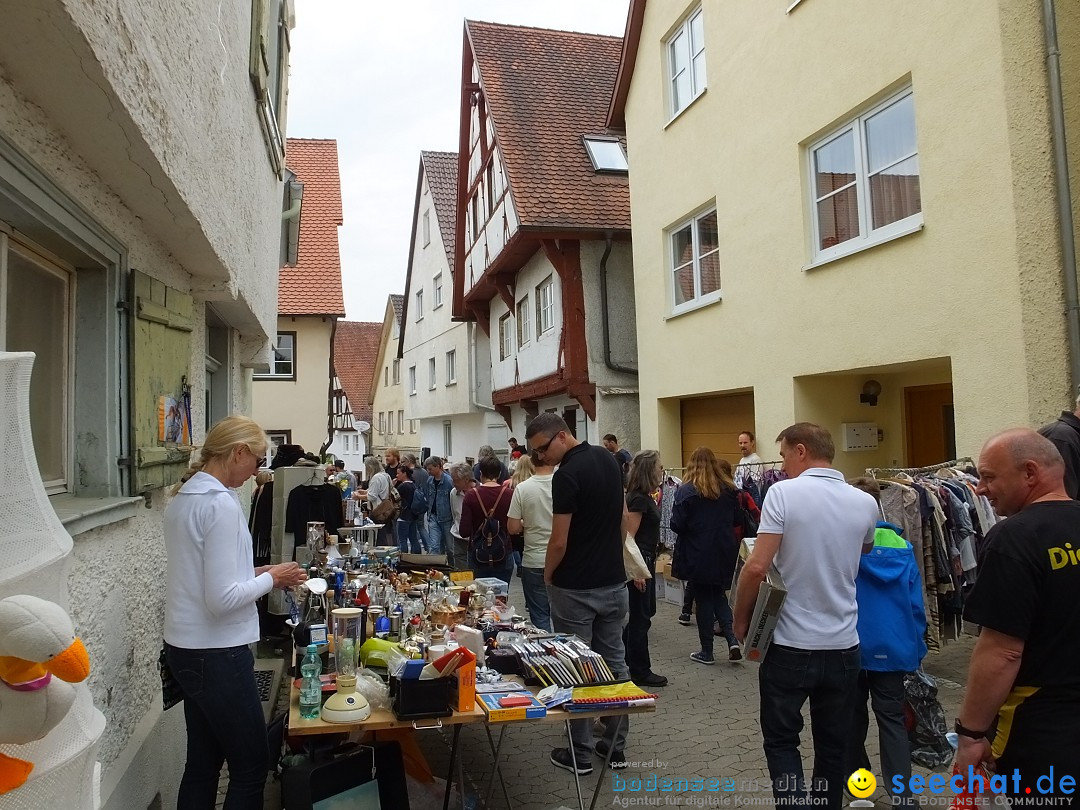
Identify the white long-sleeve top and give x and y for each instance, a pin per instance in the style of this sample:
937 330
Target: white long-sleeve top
211 586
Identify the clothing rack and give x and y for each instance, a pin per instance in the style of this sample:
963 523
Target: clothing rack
876 472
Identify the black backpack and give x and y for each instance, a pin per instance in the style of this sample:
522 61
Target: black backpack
490 544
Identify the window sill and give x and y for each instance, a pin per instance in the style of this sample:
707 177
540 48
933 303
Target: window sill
451 383
257 378
714 298
689 104
437 306
873 242
80 515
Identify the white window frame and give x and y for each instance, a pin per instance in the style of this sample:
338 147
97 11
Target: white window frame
412 425
867 238
397 371
401 422
273 375
426 230
451 367
545 306
382 422
412 381
506 337
431 374
448 439
436 294
524 325
419 298
698 84
698 300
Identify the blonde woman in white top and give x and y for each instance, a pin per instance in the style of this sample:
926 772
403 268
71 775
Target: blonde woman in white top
211 617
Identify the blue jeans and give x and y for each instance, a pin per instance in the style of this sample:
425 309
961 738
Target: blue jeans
420 531
536 597
886 693
787 679
596 616
503 570
408 540
224 724
439 539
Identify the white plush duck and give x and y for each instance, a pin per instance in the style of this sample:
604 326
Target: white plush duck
40 657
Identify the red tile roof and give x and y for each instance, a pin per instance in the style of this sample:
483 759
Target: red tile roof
398 302
313 287
441 170
545 90
356 349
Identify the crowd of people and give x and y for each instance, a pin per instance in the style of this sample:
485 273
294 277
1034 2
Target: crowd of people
851 626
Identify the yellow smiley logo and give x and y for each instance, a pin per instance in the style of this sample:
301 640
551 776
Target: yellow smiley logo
861 784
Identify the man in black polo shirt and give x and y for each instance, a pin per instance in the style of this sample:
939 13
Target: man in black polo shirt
584 568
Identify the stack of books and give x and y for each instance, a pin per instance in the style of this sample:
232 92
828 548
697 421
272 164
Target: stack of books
562 662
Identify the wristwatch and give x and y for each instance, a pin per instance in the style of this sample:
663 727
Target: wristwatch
959 728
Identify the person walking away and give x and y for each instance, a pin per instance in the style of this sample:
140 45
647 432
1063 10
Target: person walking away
462 477
440 517
407 537
643 522
421 501
892 629
1022 698
484 524
210 617
814 527
584 569
530 514
1065 435
703 518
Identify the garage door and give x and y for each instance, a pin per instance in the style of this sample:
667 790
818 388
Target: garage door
716 422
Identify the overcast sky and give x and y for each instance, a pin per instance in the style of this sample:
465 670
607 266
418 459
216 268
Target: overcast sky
383 79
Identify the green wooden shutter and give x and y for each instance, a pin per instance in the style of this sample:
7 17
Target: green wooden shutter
161 326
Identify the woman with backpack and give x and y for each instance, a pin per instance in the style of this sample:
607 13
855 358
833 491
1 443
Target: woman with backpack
483 524
407 536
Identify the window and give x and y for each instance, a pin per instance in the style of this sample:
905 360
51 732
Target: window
606 155
419 304
268 66
506 337
382 422
436 293
448 439
523 330
451 367
865 179
386 375
686 62
397 371
283 365
401 422
427 228
431 372
412 425
695 261
412 380
545 306
278 438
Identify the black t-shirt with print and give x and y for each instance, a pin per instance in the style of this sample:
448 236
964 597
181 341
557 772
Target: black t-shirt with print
648 533
588 486
1028 587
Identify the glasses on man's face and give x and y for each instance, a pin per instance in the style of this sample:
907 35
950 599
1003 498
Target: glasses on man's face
543 448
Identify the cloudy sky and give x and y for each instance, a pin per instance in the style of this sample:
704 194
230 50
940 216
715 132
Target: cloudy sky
383 79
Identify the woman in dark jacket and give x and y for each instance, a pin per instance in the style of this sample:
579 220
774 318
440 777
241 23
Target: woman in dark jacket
703 519
643 522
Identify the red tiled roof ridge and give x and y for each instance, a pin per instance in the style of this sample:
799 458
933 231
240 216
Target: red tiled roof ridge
440 168
544 30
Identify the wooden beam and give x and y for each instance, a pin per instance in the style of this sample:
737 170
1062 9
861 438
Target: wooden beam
565 257
546 386
504 412
506 290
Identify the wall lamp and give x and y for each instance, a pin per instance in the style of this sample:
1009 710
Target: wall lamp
871 389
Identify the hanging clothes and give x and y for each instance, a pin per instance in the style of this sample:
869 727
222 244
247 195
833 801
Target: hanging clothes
666 501
306 503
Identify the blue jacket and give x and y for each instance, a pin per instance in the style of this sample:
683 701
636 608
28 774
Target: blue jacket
438 495
892 620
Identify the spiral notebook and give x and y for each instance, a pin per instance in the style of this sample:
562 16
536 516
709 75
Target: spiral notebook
626 693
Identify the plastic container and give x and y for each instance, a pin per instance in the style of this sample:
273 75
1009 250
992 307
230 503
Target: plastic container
310 685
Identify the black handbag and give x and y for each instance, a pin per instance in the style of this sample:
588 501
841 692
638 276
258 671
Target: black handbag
171 694
745 521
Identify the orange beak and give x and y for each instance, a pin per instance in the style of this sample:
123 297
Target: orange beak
72 665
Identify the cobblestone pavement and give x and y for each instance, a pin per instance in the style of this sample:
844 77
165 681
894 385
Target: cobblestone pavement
705 726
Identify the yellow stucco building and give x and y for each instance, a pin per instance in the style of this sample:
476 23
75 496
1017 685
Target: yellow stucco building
839 203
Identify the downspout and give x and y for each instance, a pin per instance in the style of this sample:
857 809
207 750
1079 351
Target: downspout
605 315
1064 193
474 365
330 392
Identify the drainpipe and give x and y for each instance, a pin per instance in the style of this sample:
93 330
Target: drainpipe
330 392
1064 194
605 315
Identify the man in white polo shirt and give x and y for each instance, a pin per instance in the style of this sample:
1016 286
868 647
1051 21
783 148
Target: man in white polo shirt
814 526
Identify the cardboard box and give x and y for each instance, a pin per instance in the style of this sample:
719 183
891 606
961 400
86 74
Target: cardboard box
498 714
770 599
673 590
463 693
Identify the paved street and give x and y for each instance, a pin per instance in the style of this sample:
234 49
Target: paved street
705 726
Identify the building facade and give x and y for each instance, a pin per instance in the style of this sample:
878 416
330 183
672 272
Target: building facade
877 250
294 401
543 222
141 195
391 386
454 409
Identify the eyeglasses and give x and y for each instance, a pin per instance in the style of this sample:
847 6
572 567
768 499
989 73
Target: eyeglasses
260 460
543 448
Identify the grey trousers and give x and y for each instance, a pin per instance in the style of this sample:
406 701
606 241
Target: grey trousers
597 617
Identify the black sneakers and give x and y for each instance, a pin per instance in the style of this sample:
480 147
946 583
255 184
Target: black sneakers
564 758
618 759
685 620
652 680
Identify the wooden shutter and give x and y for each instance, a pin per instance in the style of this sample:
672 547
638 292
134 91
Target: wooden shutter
161 326
258 64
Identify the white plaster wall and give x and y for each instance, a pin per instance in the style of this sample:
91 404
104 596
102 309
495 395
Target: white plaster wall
622 321
468 432
540 356
979 284
587 428
354 459
392 398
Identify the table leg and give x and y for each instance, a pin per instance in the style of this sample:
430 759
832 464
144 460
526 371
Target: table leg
573 758
607 762
495 749
450 771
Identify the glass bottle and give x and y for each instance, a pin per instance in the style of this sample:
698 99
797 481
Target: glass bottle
310 684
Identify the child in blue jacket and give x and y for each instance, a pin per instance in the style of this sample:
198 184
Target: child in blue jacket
892 630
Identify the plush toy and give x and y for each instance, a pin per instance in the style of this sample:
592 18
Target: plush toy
37 642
